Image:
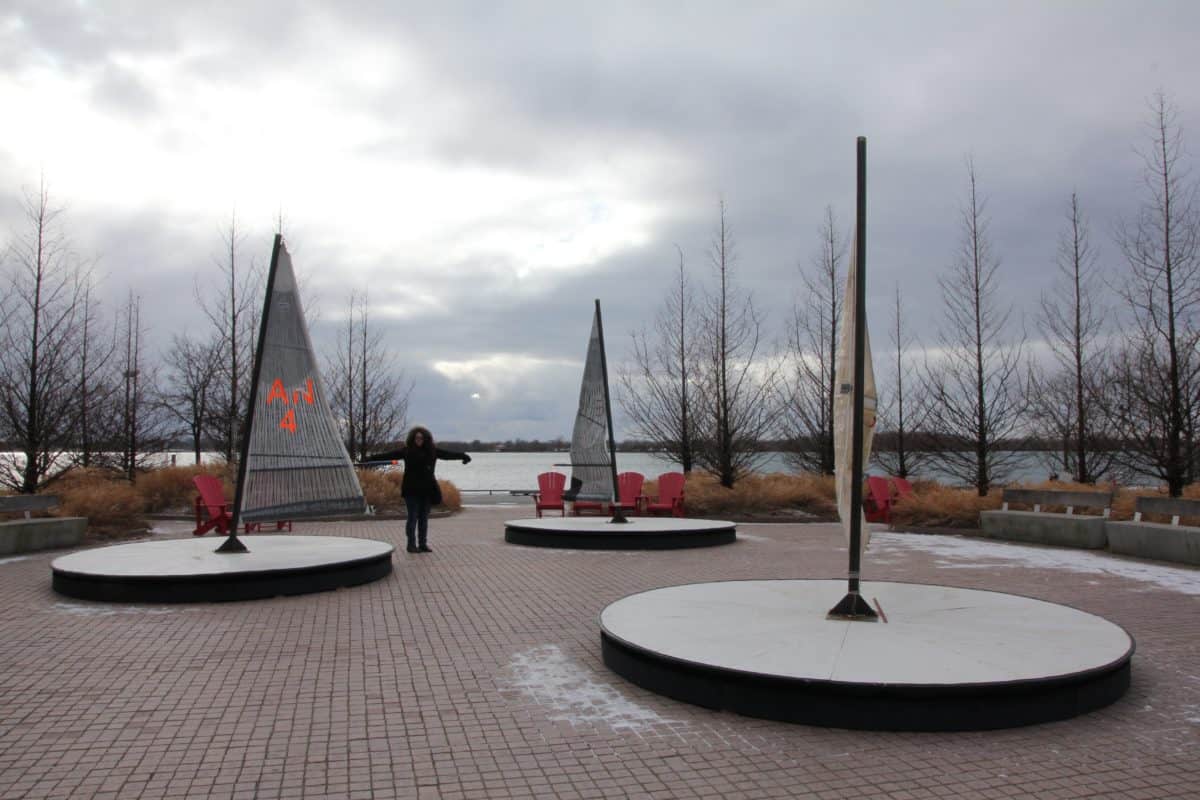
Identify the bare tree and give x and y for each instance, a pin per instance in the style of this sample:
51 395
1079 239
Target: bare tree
807 399
1066 402
369 394
141 421
738 385
95 387
233 313
39 347
1159 364
899 417
974 389
657 392
185 393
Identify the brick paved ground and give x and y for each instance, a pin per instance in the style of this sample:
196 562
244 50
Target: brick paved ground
474 672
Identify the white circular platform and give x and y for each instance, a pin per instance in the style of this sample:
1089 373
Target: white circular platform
638 533
946 658
183 570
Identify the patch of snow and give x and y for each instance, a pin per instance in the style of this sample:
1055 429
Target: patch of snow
753 538
109 611
550 678
14 558
164 528
960 552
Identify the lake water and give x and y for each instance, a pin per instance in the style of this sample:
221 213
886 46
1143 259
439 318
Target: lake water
506 472
509 471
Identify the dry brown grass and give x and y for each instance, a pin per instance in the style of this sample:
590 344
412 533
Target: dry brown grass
451 499
112 506
382 490
171 488
756 494
932 505
935 506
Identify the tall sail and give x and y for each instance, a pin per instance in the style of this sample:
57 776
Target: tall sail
843 403
294 461
593 475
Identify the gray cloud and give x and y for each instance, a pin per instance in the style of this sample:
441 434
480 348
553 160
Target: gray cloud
674 106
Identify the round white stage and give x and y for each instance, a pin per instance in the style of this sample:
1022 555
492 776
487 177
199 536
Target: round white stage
639 533
945 659
189 570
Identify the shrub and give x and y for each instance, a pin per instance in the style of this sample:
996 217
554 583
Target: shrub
932 505
451 499
171 488
112 506
703 494
382 490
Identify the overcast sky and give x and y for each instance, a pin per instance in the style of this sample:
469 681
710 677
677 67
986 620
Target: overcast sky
484 170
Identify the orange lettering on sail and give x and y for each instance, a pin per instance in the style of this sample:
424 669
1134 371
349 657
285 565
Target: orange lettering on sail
288 423
277 392
307 393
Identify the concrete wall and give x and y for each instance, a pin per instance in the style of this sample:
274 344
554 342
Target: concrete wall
26 535
1151 540
1064 530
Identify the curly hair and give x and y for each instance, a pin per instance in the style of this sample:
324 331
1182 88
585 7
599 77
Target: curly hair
410 440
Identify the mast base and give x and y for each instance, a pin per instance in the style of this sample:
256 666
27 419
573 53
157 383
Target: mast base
853 608
232 544
619 517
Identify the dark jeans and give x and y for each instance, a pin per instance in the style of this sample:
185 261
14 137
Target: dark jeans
417 523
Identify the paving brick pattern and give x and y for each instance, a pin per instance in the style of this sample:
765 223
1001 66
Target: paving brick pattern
475 672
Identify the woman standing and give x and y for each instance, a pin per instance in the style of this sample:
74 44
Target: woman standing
419 486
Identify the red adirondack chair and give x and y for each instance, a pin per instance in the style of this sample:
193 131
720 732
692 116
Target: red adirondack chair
578 506
877 503
670 495
212 510
629 493
549 495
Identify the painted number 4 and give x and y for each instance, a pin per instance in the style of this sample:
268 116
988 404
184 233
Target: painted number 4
278 392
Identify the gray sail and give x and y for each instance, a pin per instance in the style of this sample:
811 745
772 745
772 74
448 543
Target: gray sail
296 464
591 461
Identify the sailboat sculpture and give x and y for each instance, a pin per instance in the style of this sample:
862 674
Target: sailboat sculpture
593 447
843 407
293 462
854 407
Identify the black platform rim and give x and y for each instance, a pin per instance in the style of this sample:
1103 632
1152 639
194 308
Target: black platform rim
620 540
222 587
871 705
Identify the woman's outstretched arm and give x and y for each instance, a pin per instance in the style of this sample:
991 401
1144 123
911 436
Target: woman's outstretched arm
450 455
385 458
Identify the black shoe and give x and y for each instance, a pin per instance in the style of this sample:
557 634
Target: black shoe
412 548
424 549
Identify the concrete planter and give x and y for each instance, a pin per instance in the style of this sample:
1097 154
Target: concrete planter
28 535
1039 527
1152 540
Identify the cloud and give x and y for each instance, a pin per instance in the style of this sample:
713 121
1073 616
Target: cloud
485 172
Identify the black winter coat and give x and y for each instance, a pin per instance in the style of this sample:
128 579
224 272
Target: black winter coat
419 479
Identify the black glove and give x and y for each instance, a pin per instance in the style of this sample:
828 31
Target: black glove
466 459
